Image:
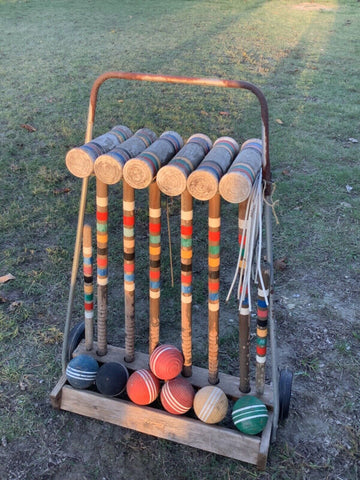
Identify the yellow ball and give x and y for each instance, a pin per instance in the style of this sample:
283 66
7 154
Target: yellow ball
210 404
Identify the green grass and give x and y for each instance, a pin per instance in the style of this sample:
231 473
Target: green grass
305 60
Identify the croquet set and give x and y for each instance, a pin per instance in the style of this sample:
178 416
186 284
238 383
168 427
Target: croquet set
161 392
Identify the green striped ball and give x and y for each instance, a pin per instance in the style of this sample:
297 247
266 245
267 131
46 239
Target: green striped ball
249 415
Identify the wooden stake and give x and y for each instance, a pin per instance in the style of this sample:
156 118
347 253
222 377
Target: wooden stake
88 287
261 333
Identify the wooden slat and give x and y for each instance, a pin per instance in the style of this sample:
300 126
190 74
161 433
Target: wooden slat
212 438
265 443
199 377
55 395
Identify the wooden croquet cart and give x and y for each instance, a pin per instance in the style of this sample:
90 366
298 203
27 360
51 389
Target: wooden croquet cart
187 430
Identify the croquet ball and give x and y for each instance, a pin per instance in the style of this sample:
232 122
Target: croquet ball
249 415
166 362
177 396
111 378
143 387
210 404
81 371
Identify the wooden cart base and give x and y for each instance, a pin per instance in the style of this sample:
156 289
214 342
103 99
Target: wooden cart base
181 429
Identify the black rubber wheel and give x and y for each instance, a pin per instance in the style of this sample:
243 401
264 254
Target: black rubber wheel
77 333
285 385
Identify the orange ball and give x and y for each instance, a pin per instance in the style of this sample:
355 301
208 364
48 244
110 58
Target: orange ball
210 404
143 387
166 362
177 396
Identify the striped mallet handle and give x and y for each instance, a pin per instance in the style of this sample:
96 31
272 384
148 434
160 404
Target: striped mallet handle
80 160
139 172
109 167
129 269
244 313
172 177
203 183
214 223
235 185
261 332
186 229
102 264
154 265
88 287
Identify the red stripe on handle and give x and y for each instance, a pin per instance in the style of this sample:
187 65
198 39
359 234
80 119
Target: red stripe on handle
186 229
129 267
102 262
186 278
214 286
129 221
154 274
262 313
261 350
154 227
214 236
102 216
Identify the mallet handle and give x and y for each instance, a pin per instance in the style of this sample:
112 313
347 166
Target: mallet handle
129 269
214 223
186 252
154 265
102 264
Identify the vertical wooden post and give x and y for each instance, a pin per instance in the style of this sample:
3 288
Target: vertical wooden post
129 269
88 287
154 265
244 314
102 264
186 229
261 333
214 223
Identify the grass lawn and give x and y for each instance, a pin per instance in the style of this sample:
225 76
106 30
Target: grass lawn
304 57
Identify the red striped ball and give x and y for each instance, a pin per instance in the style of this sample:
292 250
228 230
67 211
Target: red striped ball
166 362
177 396
142 387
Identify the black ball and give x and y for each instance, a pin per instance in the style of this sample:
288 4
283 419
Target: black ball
111 378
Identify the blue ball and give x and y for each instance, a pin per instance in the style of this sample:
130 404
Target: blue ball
81 371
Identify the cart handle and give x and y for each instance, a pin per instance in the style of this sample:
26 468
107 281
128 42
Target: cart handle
209 82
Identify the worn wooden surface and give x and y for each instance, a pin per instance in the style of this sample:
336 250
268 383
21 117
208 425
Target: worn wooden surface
180 429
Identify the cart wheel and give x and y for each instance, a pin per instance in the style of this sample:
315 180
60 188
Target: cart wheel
285 384
77 333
